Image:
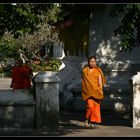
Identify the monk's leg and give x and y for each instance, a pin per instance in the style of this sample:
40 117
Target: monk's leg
89 106
96 114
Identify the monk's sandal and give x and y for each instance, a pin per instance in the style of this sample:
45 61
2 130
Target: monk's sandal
93 125
86 124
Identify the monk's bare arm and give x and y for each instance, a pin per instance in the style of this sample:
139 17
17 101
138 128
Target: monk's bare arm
100 81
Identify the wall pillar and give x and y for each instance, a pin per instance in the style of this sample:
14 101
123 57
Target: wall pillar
135 100
47 100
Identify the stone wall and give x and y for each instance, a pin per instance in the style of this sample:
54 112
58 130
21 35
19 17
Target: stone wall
68 75
17 109
117 89
37 108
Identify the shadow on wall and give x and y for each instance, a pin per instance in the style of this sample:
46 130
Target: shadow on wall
117 66
105 45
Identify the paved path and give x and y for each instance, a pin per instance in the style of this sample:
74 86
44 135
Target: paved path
5 83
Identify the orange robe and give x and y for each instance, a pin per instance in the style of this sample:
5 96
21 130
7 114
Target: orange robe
92 93
93 111
26 73
21 77
90 83
17 79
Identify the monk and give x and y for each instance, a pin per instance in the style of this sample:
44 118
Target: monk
17 78
21 75
93 81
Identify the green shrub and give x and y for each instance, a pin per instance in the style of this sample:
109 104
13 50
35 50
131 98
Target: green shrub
52 65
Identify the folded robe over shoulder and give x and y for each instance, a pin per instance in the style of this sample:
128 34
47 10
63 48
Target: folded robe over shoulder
26 73
90 83
17 78
21 77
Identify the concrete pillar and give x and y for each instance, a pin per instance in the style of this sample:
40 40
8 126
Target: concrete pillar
135 92
57 50
47 100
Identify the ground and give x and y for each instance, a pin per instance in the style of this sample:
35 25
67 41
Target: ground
71 125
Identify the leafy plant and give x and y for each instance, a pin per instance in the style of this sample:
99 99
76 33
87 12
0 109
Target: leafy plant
54 64
25 18
129 29
50 65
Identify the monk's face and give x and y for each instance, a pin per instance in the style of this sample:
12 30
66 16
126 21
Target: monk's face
92 63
